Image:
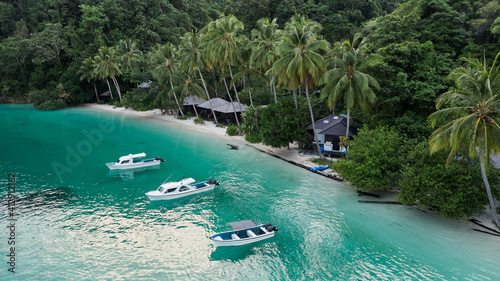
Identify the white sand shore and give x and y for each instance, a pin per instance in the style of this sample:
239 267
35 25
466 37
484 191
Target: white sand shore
291 154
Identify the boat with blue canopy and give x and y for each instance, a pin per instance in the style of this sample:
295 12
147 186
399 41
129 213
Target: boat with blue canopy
244 232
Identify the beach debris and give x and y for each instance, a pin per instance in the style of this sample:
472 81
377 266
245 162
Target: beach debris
232 146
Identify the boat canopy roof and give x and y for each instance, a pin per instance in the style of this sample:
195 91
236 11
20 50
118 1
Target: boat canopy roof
178 183
132 156
237 225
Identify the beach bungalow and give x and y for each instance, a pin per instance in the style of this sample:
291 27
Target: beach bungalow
189 101
204 108
227 111
223 109
330 129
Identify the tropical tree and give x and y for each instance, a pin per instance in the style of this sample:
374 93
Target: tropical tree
189 86
128 54
300 62
223 43
86 72
263 45
245 69
346 80
191 58
106 66
163 61
472 121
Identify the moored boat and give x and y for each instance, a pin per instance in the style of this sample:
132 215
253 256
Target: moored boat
181 188
244 232
132 161
320 168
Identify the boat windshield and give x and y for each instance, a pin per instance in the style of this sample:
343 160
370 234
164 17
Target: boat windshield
161 189
135 160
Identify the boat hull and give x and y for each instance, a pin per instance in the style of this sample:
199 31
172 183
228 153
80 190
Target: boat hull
154 197
243 241
242 236
114 166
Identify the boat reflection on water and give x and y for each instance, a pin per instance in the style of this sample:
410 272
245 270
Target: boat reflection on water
261 248
185 203
132 174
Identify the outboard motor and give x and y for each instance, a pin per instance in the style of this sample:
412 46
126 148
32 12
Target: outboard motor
269 227
158 158
212 181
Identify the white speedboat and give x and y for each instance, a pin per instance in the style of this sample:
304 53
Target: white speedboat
177 189
244 232
133 161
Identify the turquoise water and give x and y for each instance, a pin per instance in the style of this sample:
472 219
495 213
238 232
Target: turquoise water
76 220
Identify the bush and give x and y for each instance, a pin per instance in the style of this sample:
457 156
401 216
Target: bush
45 100
51 105
100 102
254 138
457 190
199 121
232 130
375 159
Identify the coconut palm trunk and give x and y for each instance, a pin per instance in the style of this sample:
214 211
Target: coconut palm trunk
231 99
194 107
109 87
313 125
250 91
209 99
234 86
348 123
96 95
273 87
175 96
113 78
488 191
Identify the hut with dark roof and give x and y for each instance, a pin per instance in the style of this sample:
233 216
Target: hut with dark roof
331 128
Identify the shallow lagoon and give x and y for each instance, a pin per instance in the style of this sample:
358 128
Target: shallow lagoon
79 221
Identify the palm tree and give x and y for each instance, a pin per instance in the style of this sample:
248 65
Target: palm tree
189 86
300 64
86 72
263 45
244 71
346 79
106 66
473 119
191 57
163 61
223 43
128 54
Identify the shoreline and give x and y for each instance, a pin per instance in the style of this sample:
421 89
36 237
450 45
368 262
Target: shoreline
290 155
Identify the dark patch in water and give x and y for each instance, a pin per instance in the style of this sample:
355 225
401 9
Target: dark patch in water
43 199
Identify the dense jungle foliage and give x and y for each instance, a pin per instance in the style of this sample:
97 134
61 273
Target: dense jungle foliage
295 56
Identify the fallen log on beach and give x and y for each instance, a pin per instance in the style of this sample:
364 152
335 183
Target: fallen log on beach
478 223
487 232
